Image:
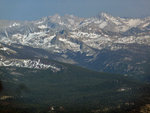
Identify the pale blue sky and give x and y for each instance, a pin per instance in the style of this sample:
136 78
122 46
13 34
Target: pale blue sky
35 9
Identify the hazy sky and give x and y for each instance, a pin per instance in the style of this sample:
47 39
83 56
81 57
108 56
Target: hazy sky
35 9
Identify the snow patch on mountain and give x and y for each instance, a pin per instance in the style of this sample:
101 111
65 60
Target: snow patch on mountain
134 22
14 25
42 27
7 50
26 63
133 39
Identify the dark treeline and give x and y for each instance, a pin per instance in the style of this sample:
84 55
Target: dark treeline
1 87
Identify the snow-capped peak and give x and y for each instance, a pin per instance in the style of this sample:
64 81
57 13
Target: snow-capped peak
56 17
105 15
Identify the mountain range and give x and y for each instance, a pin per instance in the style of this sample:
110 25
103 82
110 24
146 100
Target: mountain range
72 64
102 43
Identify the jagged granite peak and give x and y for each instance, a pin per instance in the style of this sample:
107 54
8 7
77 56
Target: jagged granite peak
69 21
105 15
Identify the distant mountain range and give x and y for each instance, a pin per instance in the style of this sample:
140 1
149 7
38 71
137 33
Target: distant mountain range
39 62
102 43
